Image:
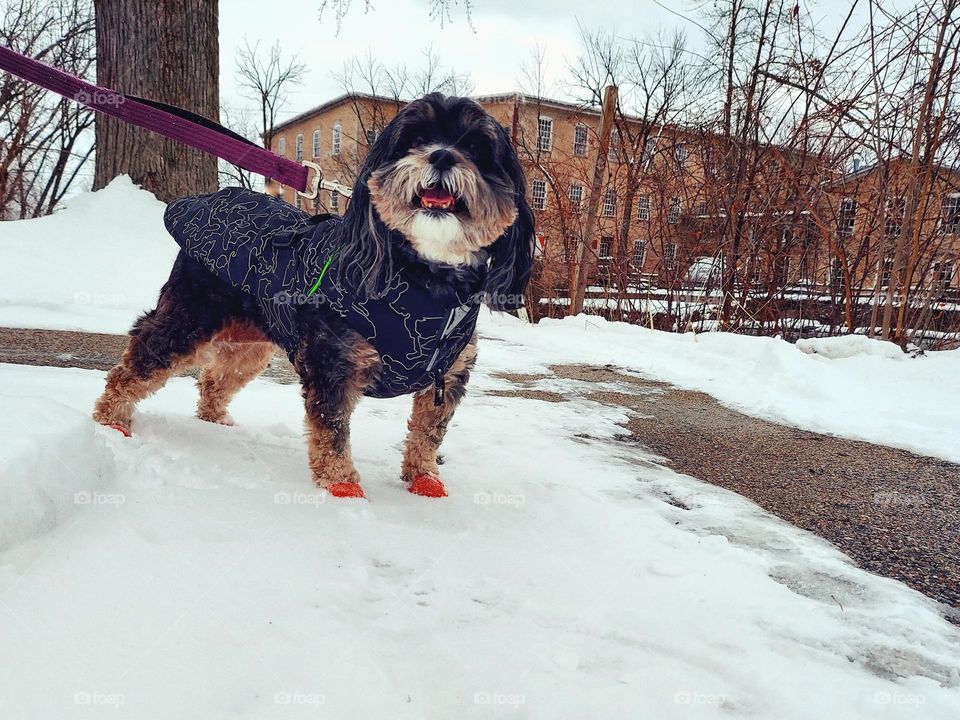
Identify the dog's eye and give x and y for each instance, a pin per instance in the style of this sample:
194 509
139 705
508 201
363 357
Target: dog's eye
417 141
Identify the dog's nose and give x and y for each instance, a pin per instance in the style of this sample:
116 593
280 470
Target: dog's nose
442 159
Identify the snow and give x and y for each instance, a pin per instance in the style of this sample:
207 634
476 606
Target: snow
848 346
94 265
193 571
852 387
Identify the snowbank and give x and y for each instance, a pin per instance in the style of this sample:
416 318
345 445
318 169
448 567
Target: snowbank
847 346
48 471
565 576
94 265
857 388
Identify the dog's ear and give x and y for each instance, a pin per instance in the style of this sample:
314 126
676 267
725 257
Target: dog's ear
367 252
511 255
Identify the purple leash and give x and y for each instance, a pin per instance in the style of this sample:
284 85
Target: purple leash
167 120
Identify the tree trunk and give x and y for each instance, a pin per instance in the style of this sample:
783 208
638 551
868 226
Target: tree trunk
166 51
585 256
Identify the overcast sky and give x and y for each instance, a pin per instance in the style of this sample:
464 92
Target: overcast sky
397 31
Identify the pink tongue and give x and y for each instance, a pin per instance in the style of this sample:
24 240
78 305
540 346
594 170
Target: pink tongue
436 197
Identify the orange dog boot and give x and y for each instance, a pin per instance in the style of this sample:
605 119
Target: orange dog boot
427 486
120 428
345 489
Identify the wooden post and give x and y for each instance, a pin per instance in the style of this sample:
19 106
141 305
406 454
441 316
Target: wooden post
585 256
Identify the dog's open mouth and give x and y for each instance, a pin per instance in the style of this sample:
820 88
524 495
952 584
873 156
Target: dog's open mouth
437 198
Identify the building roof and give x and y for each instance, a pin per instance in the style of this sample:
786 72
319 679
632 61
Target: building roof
497 98
952 172
511 97
507 97
339 100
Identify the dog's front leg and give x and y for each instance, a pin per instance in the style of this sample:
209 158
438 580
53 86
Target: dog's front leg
428 424
334 373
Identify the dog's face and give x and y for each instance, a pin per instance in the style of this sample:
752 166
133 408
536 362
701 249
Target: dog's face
442 184
444 178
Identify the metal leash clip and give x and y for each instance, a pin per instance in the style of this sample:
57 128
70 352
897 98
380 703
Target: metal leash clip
313 187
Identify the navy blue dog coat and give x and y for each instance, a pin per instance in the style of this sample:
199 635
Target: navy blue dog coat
277 254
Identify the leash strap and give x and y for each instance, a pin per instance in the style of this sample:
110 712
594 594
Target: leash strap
167 120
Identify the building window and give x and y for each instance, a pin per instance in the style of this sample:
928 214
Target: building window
781 270
950 210
649 150
335 201
896 207
886 272
538 193
613 153
606 248
674 216
580 140
806 253
836 273
847 219
669 255
335 140
544 133
316 143
281 146
709 164
576 195
636 258
680 154
643 208
943 275
298 153
609 203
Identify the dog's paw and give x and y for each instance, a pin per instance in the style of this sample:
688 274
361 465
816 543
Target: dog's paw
427 486
225 419
345 489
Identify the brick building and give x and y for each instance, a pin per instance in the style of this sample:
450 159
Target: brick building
662 203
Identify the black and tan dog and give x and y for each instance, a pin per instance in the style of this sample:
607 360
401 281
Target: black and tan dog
438 209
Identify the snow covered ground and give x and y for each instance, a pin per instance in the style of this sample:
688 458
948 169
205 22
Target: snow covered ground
852 386
192 571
